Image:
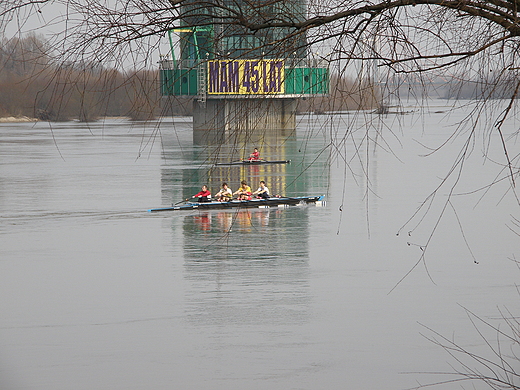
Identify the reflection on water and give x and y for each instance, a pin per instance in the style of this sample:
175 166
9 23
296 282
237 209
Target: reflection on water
275 146
247 266
227 253
253 233
187 167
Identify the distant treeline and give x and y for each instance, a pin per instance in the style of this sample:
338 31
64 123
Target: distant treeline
492 88
34 84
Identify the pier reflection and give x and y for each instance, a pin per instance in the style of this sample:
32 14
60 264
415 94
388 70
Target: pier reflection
187 166
273 145
247 266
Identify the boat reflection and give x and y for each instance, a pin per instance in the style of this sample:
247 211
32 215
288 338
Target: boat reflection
203 221
258 233
227 220
251 265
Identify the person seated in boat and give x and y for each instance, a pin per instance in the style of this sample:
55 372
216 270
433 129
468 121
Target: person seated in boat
225 194
255 155
204 195
244 192
262 191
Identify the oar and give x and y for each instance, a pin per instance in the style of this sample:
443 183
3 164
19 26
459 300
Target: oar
185 200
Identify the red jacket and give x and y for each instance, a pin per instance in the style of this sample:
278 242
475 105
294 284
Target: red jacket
202 193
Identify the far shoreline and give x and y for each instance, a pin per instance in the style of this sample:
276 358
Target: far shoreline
26 119
17 119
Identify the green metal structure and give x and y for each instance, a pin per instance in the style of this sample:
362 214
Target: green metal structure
241 83
187 76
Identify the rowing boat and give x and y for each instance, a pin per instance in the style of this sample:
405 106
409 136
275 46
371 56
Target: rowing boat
259 203
235 203
255 162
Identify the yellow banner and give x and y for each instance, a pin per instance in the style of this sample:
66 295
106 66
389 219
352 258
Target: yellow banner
246 77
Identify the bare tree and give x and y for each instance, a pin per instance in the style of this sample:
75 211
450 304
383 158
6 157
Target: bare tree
404 36
463 41
495 364
468 43
427 40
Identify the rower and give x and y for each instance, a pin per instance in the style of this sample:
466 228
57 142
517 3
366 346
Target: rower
262 191
255 155
204 195
225 194
244 192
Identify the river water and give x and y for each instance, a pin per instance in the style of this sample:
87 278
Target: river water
97 293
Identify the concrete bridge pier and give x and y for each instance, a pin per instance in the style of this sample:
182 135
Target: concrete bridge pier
242 120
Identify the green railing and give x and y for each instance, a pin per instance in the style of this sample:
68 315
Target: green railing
179 82
306 81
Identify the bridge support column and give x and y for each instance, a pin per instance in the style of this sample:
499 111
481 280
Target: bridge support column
242 120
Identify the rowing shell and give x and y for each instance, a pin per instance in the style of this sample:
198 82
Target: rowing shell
259 203
255 162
